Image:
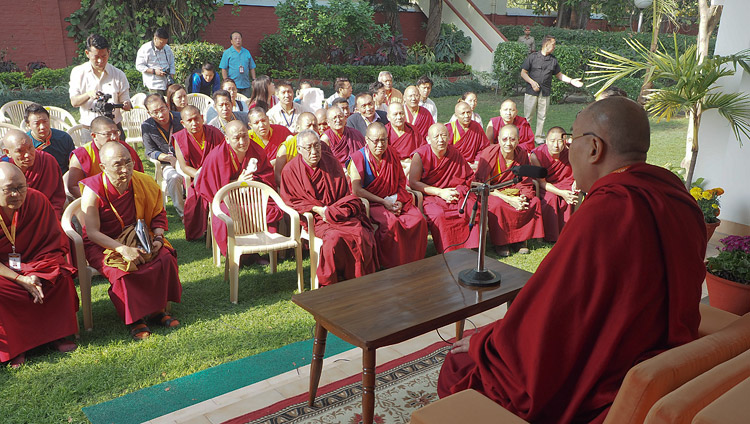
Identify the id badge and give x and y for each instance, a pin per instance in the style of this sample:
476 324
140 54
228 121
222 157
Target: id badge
14 261
242 69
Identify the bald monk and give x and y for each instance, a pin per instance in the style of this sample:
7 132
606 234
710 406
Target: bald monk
315 182
342 140
466 135
440 172
515 213
416 115
40 168
509 116
376 174
85 160
558 194
37 294
191 147
230 162
622 284
402 137
321 116
141 283
265 134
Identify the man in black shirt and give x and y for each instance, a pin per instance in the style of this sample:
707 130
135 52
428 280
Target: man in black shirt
157 141
537 70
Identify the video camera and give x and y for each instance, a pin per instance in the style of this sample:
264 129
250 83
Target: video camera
101 107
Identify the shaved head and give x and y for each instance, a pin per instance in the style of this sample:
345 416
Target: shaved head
235 127
15 138
112 149
189 109
12 187
19 147
8 171
307 120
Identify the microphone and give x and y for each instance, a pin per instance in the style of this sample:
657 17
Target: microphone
463 204
473 214
529 171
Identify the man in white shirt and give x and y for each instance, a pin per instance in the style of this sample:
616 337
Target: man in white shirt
97 75
155 61
286 112
424 84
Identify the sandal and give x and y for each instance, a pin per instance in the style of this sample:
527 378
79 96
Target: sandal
18 360
502 251
140 330
163 318
64 345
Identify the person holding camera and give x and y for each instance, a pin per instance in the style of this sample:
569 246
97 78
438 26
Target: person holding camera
96 78
155 61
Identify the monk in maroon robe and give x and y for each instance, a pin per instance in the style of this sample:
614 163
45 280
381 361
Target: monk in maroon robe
509 115
38 300
440 172
84 161
229 162
191 147
315 182
376 175
416 115
466 135
342 140
558 195
141 282
37 166
267 135
622 284
514 212
402 137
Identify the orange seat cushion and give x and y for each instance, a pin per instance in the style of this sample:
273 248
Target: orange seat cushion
714 319
468 406
733 407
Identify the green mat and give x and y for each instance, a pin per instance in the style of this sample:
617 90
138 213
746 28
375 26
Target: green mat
152 402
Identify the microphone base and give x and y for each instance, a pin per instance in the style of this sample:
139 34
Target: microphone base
472 277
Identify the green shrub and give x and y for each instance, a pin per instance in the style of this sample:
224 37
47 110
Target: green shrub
191 56
273 50
451 43
367 74
509 57
49 78
135 79
13 79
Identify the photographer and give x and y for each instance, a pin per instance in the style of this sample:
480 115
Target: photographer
97 75
155 61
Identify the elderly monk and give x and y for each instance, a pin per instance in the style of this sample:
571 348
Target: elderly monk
402 137
440 172
515 213
288 149
509 116
229 162
191 147
265 134
391 93
85 161
416 115
321 116
558 194
37 294
376 175
622 284
466 135
40 168
314 182
342 140
225 112
113 202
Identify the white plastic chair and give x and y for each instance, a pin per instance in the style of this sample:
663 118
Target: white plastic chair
131 123
62 115
247 229
80 135
5 127
210 243
312 98
12 112
138 99
201 101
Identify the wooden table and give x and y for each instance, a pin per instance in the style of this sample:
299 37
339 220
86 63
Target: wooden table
398 304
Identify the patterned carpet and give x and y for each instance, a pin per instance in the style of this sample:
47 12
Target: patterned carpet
402 386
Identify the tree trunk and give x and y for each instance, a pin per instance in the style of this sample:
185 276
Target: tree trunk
433 23
393 20
696 122
582 13
563 14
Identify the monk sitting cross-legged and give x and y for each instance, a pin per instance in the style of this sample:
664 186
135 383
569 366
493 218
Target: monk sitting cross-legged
467 135
315 182
141 283
440 172
402 137
622 284
376 175
509 116
342 140
191 147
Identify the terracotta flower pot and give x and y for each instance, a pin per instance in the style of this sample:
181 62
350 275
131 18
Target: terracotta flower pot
728 295
710 228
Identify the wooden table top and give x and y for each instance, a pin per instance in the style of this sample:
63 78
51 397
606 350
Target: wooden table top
400 303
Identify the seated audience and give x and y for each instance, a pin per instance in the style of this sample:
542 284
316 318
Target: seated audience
470 98
286 112
424 84
402 137
176 97
419 117
365 114
342 140
263 90
57 143
223 105
342 88
509 116
377 89
265 134
392 94
205 81
467 135
230 87
288 149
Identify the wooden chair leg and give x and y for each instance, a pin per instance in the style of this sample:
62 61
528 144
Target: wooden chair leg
272 259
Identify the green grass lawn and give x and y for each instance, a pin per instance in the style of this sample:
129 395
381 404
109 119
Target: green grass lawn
53 387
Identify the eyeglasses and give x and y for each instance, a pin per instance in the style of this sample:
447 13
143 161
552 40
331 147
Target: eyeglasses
17 190
159 111
572 137
122 165
109 134
509 138
381 141
313 146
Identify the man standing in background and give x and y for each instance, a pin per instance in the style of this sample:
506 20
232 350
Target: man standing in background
237 63
155 61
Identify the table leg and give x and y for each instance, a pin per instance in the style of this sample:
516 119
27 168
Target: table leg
368 385
460 329
316 365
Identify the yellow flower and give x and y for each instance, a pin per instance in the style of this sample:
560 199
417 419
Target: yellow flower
708 195
696 192
715 206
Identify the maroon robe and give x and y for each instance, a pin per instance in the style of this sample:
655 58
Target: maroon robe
555 210
343 147
506 224
421 122
279 133
43 177
348 248
88 157
222 167
405 144
525 133
447 225
621 285
43 247
196 208
400 239
469 142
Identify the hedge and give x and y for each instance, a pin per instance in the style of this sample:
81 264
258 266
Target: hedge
190 57
51 78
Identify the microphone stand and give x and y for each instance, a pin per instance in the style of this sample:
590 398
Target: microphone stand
480 276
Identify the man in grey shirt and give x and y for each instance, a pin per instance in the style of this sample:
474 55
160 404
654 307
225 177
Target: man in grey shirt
223 106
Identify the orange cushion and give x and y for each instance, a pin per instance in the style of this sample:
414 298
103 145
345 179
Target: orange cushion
468 406
732 407
714 319
652 379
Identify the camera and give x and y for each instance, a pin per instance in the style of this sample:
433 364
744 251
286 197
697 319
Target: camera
102 107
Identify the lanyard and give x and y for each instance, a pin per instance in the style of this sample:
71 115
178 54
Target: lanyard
222 121
11 235
288 123
167 139
106 195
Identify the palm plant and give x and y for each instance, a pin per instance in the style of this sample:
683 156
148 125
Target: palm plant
691 85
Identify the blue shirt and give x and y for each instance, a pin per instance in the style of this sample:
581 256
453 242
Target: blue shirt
232 60
60 147
198 84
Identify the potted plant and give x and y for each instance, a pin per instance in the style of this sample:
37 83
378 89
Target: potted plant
708 201
728 275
